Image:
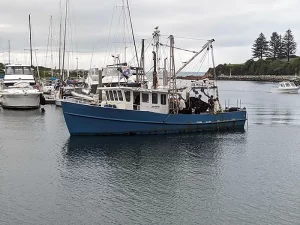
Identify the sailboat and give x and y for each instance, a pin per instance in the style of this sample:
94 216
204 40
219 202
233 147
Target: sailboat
59 94
48 86
20 90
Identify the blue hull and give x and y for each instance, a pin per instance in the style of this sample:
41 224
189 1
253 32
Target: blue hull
92 120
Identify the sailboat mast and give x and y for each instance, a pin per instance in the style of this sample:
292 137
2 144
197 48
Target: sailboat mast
8 51
136 55
30 42
51 49
64 47
59 44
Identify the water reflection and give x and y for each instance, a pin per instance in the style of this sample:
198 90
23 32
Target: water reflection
158 174
197 144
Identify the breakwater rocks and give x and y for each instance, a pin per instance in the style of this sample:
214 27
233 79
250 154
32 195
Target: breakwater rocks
194 77
268 78
263 78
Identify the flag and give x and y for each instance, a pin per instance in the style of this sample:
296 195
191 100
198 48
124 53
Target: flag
125 73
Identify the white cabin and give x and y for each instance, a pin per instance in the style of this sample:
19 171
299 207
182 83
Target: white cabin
16 72
129 98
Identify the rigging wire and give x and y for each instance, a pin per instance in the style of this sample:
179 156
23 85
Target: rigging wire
108 40
189 38
137 59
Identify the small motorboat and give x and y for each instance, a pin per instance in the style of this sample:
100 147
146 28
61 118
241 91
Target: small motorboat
288 87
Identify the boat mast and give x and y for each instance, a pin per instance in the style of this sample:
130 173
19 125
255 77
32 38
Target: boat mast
155 56
30 42
156 38
77 67
8 51
51 49
215 75
142 62
64 47
136 55
154 71
59 44
124 29
172 83
49 40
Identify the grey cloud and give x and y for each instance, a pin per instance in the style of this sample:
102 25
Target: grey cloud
234 24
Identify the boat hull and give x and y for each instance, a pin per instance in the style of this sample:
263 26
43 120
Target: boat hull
93 120
58 102
289 90
21 101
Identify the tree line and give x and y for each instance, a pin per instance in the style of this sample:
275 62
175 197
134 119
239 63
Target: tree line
277 47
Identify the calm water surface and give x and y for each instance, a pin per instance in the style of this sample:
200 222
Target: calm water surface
250 177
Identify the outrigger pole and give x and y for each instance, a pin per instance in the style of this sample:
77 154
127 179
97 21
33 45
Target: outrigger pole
207 45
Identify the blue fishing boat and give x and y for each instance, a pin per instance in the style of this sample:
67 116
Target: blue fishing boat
152 109
84 119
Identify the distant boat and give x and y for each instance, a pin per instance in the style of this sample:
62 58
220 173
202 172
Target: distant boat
287 87
19 90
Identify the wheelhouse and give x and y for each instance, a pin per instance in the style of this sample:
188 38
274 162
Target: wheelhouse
18 70
16 73
287 84
136 99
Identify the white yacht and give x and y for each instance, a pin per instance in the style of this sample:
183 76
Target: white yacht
20 91
288 87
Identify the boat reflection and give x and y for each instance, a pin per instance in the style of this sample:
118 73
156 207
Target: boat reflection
148 149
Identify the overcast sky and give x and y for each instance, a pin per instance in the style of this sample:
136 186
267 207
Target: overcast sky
234 24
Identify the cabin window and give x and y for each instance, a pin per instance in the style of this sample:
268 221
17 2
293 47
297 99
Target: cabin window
127 96
111 96
18 70
154 98
163 99
115 95
120 95
107 95
287 84
145 97
27 70
9 70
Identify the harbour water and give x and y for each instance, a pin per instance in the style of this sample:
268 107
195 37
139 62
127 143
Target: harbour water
250 177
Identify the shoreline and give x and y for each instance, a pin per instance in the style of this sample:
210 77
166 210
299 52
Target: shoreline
262 78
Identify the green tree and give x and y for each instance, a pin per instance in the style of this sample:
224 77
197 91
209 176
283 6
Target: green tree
260 47
274 45
288 44
280 54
